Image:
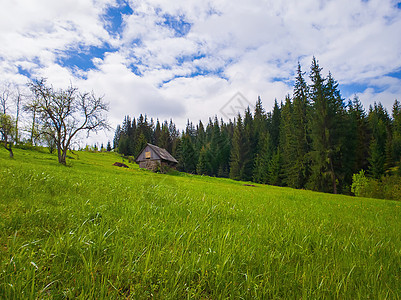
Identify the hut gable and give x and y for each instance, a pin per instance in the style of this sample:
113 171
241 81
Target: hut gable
151 156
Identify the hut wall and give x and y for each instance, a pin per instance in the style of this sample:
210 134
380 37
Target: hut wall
142 155
150 164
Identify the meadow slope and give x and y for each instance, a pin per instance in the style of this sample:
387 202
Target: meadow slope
92 230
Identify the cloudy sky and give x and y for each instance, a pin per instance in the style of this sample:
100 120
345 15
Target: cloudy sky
186 59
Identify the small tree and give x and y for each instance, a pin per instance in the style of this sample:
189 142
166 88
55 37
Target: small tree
50 140
65 113
32 107
7 130
7 123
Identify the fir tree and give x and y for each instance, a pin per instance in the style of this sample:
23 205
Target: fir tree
275 125
397 133
378 121
249 146
288 145
203 167
165 140
117 136
362 140
224 151
301 142
260 125
262 160
157 133
186 158
140 144
327 111
274 175
237 151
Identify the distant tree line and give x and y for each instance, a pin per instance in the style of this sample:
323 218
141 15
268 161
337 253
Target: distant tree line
313 140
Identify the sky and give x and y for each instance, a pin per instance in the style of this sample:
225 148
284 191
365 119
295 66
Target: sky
187 59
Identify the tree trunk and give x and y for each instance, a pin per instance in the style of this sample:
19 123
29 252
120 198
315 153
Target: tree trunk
59 154
9 148
17 118
62 157
33 125
11 152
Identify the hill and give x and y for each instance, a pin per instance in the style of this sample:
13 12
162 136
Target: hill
92 230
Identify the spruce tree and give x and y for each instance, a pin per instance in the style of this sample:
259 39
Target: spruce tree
275 125
362 139
215 144
186 158
140 144
325 133
203 167
274 174
378 122
165 140
262 160
397 133
237 151
224 151
288 144
117 136
301 109
249 147
259 125
157 133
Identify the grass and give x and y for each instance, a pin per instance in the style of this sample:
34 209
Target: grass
92 230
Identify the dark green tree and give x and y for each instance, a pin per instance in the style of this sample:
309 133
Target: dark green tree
249 147
165 140
140 144
117 136
187 158
325 131
288 144
237 150
275 125
378 122
397 133
361 150
157 134
262 160
203 167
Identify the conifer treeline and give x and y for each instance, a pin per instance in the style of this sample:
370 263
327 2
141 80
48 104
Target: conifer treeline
313 140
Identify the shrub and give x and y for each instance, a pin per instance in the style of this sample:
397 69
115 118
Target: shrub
388 187
359 184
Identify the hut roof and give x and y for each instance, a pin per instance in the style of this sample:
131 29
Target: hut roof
163 153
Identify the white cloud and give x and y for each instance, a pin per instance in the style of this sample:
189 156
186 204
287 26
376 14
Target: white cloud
252 47
386 97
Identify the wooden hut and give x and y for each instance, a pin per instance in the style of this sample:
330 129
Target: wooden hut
153 157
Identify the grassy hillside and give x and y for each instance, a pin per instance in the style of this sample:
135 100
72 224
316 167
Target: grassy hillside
92 230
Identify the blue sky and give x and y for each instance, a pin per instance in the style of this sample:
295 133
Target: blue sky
186 59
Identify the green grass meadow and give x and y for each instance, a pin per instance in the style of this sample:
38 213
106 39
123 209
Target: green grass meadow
94 231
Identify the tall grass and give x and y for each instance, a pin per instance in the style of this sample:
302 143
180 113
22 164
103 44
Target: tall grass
91 230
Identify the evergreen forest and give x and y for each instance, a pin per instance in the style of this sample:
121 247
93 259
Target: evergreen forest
312 140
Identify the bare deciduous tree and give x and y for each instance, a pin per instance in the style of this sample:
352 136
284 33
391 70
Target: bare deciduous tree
7 130
6 121
65 113
18 100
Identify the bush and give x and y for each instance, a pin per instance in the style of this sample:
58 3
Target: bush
130 158
29 146
388 187
359 184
